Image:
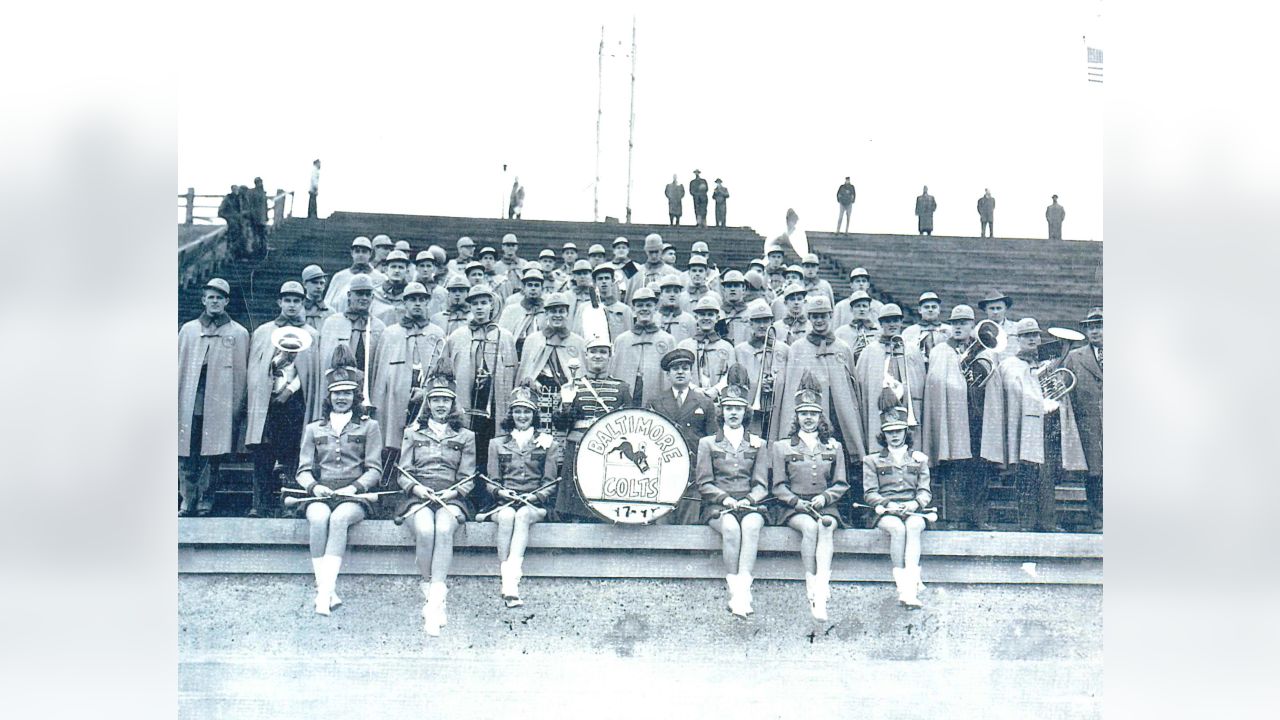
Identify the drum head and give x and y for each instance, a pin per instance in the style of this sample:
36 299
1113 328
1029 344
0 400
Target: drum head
632 467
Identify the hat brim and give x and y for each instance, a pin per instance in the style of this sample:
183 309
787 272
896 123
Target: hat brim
808 407
524 403
982 304
342 385
442 392
733 402
895 425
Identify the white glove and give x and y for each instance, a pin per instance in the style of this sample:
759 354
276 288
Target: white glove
567 393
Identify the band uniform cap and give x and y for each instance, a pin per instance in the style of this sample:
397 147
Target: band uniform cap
556 300
311 272
422 255
707 303
456 282
888 311
697 260
466 242
817 303
677 355
360 282
962 312
510 239
293 287
774 248
220 285
532 274
755 279
439 255
994 296
569 246
598 341
547 253
757 262
859 272
860 295
808 399
597 249
396 256
621 241
522 396
603 268
734 395
644 293
415 288
895 418
441 386
757 309
668 246
794 289
1094 316
582 266
343 378
473 265
1026 326
700 247
653 241
403 245
480 289
731 277
925 297
810 259
290 338
670 281
382 240
486 250
363 242
793 269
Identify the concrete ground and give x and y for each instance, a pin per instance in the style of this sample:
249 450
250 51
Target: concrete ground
250 646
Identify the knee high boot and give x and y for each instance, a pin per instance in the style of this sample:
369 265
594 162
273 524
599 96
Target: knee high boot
515 569
811 588
744 591
907 579
320 567
821 592
334 565
433 614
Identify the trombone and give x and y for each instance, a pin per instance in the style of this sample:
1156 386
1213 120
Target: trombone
988 335
1055 380
898 347
763 403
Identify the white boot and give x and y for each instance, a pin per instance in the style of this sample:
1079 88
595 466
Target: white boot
735 595
507 588
899 580
320 567
811 590
430 609
821 592
335 564
425 587
744 591
515 567
911 580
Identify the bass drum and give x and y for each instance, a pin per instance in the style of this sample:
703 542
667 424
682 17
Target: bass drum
632 467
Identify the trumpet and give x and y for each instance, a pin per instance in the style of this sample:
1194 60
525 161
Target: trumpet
1055 380
988 335
763 402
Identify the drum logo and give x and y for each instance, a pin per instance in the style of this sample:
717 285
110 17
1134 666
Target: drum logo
632 466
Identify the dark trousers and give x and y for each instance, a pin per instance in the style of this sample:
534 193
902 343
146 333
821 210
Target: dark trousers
722 212
311 205
195 488
675 219
281 440
1093 493
988 229
700 211
963 486
1035 492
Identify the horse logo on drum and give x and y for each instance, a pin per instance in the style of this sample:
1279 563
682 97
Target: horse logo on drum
632 466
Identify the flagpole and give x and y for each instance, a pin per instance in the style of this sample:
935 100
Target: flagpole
595 203
631 131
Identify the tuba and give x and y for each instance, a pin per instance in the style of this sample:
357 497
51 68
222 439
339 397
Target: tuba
1055 380
988 335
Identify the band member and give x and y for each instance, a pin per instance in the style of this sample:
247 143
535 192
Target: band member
596 254
861 330
361 257
354 327
930 331
638 353
340 457
213 354
996 306
284 393
764 348
951 428
456 313
889 366
713 354
488 258
698 280
466 251
626 267
1086 399
700 254
315 280
581 291
795 324
523 463
793 276
859 281
510 268
483 358
808 479
549 354
407 354
732 473
382 246
671 318
775 272
618 315
757 286
582 402
811 282
691 411
829 362
896 478
430 267
569 258
475 273
388 299
549 264
524 314
733 287
438 457
653 270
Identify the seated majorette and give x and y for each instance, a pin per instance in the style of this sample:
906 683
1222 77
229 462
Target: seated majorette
340 460
897 479
733 478
809 478
437 471
523 464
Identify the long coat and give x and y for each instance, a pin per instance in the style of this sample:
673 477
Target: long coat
500 350
399 349
1086 399
711 360
751 357
675 198
640 354
986 208
925 207
538 351
338 329
831 363
680 325
522 321
1013 419
944 431
261 382
336 296
870 375
226 348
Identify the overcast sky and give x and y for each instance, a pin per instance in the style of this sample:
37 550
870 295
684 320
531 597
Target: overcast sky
416 110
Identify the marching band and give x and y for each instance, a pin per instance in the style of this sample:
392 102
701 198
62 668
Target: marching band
468 384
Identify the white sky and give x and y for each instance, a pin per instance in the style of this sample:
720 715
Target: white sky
416 110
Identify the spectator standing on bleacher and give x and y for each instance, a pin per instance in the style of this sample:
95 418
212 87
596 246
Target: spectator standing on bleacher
1086 399
1055 214
314 190
925 207
258 217
845 196
675 201
986 214
721 197
230 211
516 205
698 189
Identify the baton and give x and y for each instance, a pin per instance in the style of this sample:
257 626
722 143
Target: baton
930 514
432 496
481 517
369 497
500 486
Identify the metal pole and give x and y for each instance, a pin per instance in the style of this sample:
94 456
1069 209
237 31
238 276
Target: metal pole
631 131
595 203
